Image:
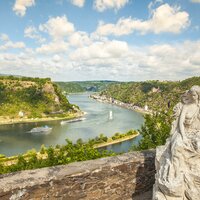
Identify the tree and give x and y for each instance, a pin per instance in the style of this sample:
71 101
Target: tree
154 131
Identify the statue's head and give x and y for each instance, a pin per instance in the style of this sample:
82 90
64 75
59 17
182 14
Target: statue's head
192 95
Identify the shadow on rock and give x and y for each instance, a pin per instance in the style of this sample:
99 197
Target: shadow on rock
145 177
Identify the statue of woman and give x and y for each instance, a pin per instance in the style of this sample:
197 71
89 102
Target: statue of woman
178 162
189 119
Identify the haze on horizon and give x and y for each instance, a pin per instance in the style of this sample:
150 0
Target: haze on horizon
122 40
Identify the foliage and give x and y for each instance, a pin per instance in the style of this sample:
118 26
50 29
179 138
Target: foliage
83 86
98 140
103 139
62 154
35 97
2 156
70 87
122 135
156 94
155 130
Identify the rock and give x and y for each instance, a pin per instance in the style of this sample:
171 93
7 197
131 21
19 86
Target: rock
123 177
178 161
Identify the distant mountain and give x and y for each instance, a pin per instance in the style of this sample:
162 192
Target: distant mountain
83 86
32 97
9 75
155 94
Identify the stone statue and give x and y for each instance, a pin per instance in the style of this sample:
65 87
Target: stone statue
178 161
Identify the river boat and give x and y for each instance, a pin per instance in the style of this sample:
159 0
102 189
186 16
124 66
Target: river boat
72 120
41 130
110 115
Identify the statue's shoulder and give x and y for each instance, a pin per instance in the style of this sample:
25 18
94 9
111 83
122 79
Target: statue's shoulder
177 109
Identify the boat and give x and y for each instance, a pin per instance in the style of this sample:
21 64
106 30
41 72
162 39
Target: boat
110 115
72 120
43 130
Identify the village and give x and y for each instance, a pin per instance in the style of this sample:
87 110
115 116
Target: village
105 99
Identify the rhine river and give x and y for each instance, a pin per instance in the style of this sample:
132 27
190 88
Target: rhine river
15 139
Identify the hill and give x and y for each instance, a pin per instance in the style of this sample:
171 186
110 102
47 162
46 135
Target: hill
83 86
155 94
23 97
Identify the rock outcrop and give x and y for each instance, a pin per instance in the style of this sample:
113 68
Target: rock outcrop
178 161
34 97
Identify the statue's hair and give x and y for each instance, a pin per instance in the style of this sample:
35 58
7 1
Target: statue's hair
196 89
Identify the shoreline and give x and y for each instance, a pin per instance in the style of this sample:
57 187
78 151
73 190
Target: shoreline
10 160
35 120
120 140
104 99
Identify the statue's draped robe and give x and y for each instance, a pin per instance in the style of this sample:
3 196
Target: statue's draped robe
178 161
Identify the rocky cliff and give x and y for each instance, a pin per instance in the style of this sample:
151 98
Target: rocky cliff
31 98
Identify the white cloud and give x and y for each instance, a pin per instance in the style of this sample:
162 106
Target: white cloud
102 5
31 32
4 37
53 47
168 19
195 1
56 58
58 27
79 39
117 60
20 6
123 27
71 55
107 60
164 19
101 50
12 45
79 3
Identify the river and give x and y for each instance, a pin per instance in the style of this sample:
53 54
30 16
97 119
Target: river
15 139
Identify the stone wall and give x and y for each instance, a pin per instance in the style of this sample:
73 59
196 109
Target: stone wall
121 177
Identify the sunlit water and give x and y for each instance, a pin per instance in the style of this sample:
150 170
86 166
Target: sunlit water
15 139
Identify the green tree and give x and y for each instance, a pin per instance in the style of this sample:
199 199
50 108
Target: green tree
42 149
154 131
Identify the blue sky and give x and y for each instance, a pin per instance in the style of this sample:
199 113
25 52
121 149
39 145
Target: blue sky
127 40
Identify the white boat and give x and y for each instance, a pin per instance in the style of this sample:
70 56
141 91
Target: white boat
72 120
42 130
110 115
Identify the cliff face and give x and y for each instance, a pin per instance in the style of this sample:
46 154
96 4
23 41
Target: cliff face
120 177
31 97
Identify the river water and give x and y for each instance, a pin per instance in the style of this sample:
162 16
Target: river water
15 139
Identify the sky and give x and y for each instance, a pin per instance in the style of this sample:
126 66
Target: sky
124 40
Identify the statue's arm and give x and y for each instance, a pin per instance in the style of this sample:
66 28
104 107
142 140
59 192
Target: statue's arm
176 114
181 122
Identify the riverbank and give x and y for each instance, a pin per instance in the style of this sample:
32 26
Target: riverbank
43 153
104 99
70 116
126 138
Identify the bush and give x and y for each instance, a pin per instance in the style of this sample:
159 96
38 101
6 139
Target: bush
55 156
155 131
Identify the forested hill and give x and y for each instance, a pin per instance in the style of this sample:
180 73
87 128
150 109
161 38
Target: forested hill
156 94
83 86
33 97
